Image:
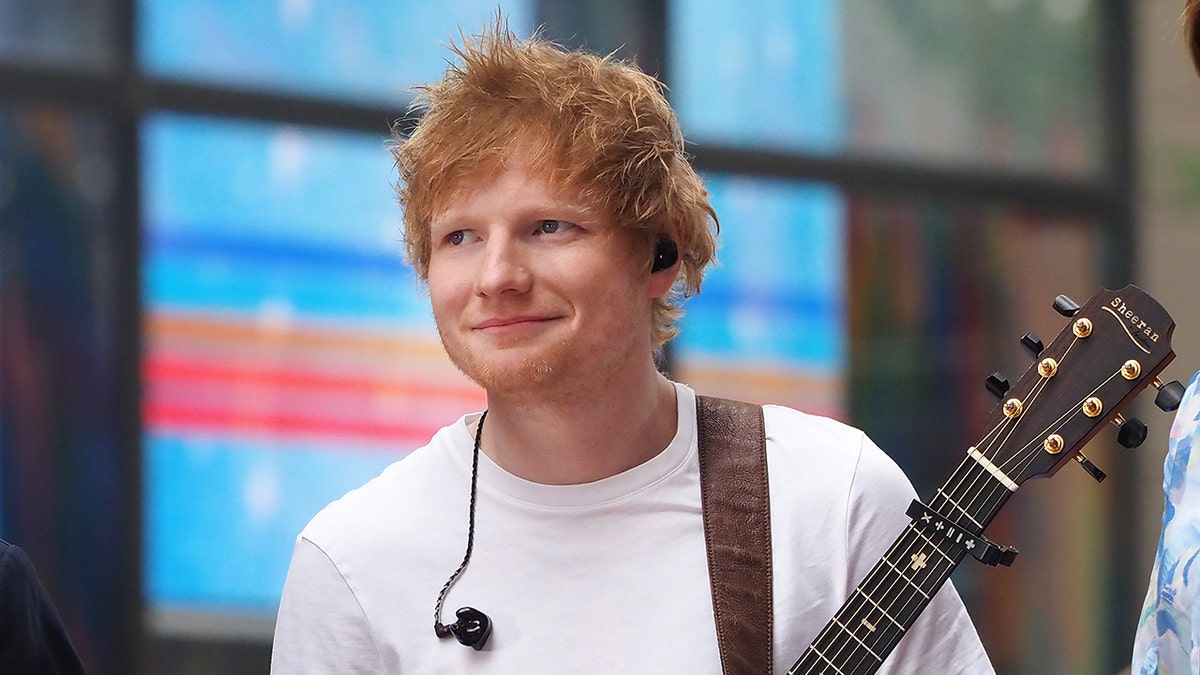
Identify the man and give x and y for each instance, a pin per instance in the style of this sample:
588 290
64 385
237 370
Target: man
33 638
551 210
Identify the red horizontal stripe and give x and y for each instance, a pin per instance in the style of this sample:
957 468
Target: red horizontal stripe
165 369
177 418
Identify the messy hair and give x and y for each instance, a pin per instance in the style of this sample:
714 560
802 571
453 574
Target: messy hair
597 124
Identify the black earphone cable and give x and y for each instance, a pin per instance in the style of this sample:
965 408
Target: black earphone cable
440 629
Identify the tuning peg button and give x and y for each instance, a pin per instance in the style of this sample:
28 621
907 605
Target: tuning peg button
1033 345
1133 433
1093 470
997 384
1170 395
1066 306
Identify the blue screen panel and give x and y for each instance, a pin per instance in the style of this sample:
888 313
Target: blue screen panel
768 325
372 50
289 353
767 74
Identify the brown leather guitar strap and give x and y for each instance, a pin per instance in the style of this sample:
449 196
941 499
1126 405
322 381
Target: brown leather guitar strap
737 530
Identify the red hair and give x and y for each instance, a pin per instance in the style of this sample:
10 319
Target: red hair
597 124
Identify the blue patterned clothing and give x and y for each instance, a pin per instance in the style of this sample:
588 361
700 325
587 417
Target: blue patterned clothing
1168 636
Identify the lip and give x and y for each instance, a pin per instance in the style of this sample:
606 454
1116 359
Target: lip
512 321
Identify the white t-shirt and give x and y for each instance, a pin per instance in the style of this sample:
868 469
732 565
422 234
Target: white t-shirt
604 577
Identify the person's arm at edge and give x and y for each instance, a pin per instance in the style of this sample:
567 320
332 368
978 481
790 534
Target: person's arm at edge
32 634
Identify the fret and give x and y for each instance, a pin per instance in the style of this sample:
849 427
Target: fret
974 492
965 490
812 660
880 623
914 584
866 627
859 640
931 543
882 611
826 659
959 508
883 607
903 582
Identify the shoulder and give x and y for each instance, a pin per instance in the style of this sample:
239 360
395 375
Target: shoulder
32 635
19 583
820 464
7 549
404 492
794 427
816 443
15 568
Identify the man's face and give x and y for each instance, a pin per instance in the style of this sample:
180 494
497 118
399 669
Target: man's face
532 291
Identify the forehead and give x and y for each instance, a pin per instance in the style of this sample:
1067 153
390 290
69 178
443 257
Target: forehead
509 181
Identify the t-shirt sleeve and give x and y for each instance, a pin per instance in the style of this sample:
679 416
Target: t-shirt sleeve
321 627
943 639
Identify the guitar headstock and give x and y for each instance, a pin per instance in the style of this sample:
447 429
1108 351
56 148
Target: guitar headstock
1111 349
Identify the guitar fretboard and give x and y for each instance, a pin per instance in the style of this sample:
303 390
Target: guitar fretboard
887 602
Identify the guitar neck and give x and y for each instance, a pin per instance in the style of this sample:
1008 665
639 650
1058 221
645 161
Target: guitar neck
887 602
1114 347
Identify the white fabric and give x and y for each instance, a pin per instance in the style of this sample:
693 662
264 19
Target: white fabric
606 577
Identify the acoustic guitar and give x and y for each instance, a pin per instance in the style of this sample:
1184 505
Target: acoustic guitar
1112 348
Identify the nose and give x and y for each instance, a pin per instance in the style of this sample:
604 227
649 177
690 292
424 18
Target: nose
505 269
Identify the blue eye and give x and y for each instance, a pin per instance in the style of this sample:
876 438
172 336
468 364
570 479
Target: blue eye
552 226
455 238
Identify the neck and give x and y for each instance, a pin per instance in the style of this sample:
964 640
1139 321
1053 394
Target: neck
584 437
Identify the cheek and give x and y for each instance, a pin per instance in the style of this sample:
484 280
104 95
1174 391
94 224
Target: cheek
445 290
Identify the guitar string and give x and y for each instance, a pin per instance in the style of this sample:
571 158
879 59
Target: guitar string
1041 385
850 612
828 637
898 604
851 639
990 439
1020 463
850 619
1062 420
964 495
1016 460
990 447
985 445
894 604
861 615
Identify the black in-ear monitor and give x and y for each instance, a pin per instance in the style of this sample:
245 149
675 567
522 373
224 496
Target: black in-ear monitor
472 628
666 252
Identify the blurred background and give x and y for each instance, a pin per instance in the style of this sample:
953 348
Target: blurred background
207 332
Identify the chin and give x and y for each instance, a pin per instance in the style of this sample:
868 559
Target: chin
507 372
